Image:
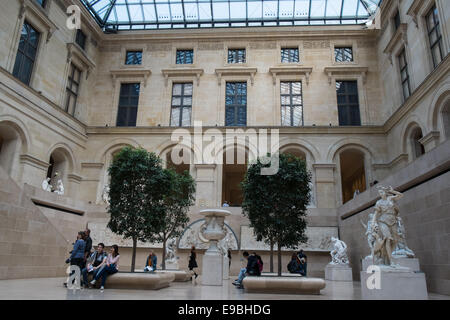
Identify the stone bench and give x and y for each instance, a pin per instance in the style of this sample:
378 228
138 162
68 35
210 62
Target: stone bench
139 280
180 275
289 285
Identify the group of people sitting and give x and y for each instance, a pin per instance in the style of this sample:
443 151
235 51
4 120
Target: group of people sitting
98 263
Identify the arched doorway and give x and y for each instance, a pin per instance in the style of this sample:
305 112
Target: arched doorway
10 149
417 148
353 173
59 167
234 168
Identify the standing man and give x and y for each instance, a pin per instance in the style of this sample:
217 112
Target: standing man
88 248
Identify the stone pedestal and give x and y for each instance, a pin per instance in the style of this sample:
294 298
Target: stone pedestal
394 285
411 263
226 268
338 272
212 275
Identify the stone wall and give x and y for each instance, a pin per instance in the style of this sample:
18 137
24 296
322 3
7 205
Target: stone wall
30 246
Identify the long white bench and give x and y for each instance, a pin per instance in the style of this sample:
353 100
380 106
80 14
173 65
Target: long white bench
180 275
288 284
139 280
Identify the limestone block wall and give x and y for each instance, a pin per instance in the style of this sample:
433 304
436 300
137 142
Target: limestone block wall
424 209
30 246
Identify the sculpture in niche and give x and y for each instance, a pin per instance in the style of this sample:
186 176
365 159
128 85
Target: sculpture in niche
383 227
59 187
46 185
339 252
105 194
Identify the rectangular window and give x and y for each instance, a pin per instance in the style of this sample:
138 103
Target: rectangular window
435 36
128 104
26 53
236 56
291 103
404 75
185 57
348 103
72 89
289 55
343 54
42 3
181 105
397 21
133 58
236 104
81 39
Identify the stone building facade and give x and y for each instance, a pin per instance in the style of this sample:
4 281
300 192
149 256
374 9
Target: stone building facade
401 89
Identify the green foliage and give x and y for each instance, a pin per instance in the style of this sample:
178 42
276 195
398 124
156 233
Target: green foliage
276 204
137 187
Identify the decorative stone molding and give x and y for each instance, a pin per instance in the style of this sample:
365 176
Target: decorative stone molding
94 165
414 10
389 165
185 72
346 70
290 70
142 74
75 54
236 71
33 161
74 178
399 35
430 141
33 8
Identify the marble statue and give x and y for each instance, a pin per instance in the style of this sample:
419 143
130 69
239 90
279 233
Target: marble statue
105 194
312 201
46 185
402 250
339 252
59 187
382 228
171 249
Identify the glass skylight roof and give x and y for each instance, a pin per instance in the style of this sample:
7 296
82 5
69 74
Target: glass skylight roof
159 14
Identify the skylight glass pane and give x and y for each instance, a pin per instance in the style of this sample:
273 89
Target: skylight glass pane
191 11
220 11
270 11
255 10
286 9
317 8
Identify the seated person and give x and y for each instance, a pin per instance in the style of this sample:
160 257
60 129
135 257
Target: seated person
303 261
295 266
112 267
252 269
96 262
150 265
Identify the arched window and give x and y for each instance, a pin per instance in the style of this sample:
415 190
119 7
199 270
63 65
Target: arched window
446 119
353 173
10 146
59 167
184 159
233 171
417 147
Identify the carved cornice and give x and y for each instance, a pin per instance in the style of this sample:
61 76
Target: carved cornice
236 71
74 178
95 165
346 70
143 74
414 10
182 72
74 51
324 165
38 12
290 70
399 35
33 161
431 136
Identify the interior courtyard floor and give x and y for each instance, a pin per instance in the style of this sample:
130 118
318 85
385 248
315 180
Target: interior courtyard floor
53 289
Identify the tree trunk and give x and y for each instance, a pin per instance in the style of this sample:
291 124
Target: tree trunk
133 257
163 263
271 256
279 259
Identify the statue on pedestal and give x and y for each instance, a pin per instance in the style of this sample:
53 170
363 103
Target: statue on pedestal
382 228
171 250
59 188
46 185
339 252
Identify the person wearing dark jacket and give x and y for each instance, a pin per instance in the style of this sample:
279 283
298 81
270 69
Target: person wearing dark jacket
303 260
95 263
252 269
193 261
294 266
77 253
88 247
151 263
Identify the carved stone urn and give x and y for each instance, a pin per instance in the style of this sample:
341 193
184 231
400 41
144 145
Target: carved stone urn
213 230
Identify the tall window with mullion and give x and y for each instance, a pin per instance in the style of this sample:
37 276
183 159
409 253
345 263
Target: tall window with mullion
26 53
343 54
291 103
80 39
236 104
289 55
185 57
181 105
236 55
128 104
404 75
348 103
72 89
435 36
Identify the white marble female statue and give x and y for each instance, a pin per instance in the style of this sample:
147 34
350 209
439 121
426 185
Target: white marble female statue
339 252
384 226
171 250
105 194
402 249
46 185
59 188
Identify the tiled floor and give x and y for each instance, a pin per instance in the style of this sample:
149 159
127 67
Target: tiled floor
53 289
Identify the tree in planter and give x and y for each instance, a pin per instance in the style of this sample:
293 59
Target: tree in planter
276 204
177 201
137 187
